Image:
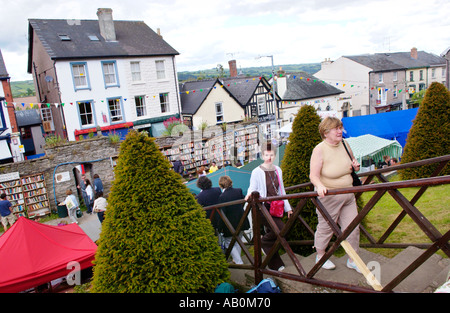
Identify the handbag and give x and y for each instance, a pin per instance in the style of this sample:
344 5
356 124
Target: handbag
356 180
276 206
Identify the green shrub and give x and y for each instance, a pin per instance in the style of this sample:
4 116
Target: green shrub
295 166
429 134
155 237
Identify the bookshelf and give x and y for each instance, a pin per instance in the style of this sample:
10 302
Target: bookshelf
35 195
10 184
196 153
27 194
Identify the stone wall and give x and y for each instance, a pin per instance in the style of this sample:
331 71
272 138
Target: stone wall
97 155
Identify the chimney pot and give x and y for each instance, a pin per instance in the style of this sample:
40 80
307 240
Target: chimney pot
233 68
106 23
414 53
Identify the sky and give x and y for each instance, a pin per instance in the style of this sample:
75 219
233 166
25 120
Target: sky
207 33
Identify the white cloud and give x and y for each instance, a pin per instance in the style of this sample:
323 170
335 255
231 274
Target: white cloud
205 33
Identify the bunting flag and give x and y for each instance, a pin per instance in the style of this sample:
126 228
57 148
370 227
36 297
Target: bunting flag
350 85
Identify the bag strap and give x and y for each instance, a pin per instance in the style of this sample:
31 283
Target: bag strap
348 153
279 182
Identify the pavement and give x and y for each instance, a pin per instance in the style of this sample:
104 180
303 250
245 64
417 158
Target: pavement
89 223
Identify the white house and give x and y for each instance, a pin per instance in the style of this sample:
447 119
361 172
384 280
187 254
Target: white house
383 82
112 75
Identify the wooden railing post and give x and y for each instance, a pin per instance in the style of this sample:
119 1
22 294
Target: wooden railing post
256 236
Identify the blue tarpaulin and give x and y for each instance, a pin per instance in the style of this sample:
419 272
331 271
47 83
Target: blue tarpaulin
390 125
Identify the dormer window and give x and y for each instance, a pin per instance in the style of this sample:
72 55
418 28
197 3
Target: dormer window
64 37
93 38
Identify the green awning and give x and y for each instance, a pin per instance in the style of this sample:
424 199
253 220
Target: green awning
373 147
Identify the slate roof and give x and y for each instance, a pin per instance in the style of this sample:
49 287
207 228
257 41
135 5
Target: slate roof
298 87
133 39
3 71
191 102
241 89
28 117
380 62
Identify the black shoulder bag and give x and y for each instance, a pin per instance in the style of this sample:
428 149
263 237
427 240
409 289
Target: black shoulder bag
356 180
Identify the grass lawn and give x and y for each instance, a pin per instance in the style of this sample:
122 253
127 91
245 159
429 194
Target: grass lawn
434 205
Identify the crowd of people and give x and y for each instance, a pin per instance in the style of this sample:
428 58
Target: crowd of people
330 168
92 195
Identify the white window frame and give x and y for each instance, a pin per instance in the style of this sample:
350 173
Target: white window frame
141 109
164 102
218 106
116 111
160 69
110 76
135 67
92 113
80 75
261 104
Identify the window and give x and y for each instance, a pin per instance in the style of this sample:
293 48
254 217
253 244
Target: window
47 121
395 93
109 74
64 37
219 112
395 76
135 71
160 70
411 76
115 110
86 113
261 101
380 77
421 74
433 73
164 101
80 79
140 106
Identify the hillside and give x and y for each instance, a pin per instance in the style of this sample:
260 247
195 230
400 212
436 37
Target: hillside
21 89
310 68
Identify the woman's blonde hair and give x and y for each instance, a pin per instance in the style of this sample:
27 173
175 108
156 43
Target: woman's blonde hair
327 124
225 182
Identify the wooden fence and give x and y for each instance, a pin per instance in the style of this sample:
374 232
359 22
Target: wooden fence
255 206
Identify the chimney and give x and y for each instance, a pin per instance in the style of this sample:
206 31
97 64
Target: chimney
233 68
106 23
414 53
325 63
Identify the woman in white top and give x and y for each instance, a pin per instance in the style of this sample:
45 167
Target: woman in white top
267 179
99 207
72 205
90 196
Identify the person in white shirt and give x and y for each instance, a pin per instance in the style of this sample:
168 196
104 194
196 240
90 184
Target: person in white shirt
99 207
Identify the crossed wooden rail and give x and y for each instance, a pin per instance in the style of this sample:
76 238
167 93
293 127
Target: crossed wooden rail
255 206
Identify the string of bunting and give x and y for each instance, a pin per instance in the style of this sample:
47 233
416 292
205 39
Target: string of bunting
308 79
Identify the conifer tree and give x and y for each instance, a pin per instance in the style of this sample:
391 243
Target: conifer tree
155 237
295 166
429 134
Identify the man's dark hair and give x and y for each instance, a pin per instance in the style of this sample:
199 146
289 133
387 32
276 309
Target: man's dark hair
204 182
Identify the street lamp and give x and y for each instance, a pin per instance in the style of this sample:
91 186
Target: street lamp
273 85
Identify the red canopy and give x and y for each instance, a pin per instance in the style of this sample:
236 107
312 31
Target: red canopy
32 253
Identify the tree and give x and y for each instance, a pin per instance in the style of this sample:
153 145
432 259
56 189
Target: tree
295 166
155 237
429 134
